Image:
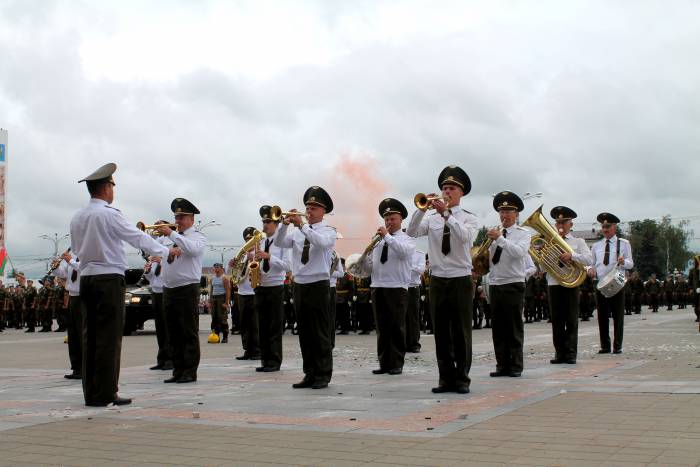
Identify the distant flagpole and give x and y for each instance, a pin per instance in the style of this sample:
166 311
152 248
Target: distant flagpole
3 206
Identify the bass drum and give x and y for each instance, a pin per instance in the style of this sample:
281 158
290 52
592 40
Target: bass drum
612 283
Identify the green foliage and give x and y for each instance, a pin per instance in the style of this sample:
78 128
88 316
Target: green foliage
659 247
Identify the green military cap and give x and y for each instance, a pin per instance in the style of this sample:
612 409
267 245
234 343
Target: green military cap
605 218
508 201
392 206
182 206
562 213
453 175
319 196
103 174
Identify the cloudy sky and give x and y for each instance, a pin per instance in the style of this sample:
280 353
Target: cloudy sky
237 104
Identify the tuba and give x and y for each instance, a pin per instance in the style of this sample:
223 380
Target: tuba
354 264
237 273
546 246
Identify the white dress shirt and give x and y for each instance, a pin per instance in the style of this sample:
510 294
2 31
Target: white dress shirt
417 268
598 253
511 268
98 233
396 271
155 281
65 271
280 264
322 243
530 267
337 274
463 229
244 285
186 269
581 254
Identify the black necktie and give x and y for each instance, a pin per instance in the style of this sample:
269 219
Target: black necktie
606 258
266 262
245 267
446 240
305 251
74 275
385 253
158 268
499 250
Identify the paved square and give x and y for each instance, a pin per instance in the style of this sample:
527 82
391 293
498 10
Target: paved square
638 408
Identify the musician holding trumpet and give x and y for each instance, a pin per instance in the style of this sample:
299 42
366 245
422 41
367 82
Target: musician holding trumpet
610 254
451 231
312 246
274 264
389 263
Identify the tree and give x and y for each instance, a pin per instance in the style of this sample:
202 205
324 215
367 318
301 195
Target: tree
659 247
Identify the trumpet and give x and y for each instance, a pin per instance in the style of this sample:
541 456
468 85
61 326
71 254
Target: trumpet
143 227
423 201
276 213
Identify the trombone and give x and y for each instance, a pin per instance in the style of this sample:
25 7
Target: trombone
143 227
423 201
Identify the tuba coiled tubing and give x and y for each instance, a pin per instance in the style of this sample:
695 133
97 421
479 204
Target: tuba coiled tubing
355 263
545 248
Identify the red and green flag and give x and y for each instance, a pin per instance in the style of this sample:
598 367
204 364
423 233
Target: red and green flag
3 260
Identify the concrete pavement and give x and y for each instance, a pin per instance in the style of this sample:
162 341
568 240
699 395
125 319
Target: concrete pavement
638 408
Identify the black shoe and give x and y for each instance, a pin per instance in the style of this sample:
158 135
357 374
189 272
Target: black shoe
304 383
414 350
497 374
121 401
30 330
260 369
478 326
319 385
243 357
585 319
462 389
556 361
395 371
570 361
73 376
618 351
224 340
380 371
58 330
97 404
167 366
254 357
186 379
604 351
342 333
171 380
270 369
442 388
156 367
515 374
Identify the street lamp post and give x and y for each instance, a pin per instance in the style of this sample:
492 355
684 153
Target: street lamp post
56 240
199 227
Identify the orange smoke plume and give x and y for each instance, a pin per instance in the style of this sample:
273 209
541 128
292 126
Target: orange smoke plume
356 190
